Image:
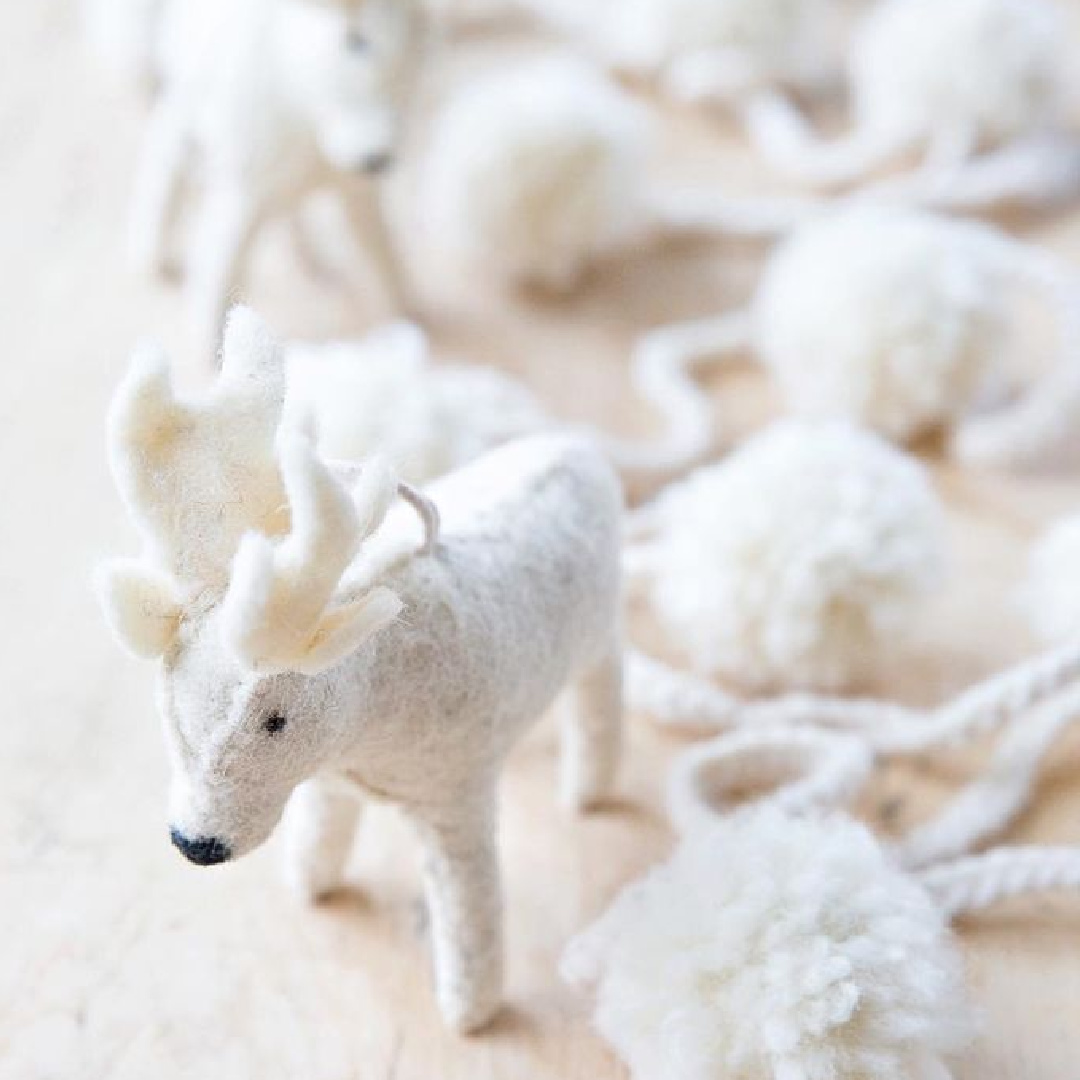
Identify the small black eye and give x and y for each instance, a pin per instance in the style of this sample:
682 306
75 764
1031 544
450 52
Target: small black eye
274 723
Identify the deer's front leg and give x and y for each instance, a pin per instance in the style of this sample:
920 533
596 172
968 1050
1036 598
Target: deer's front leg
461 879
319 826
158 181
224 232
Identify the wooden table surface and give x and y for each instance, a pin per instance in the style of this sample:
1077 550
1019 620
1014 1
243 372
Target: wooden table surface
120 961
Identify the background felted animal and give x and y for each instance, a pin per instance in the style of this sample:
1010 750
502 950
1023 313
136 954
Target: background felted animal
304 640
264 102
536 169
791 563
978 87
892 318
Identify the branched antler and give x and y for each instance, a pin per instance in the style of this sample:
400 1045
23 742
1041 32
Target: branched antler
196 475
277 614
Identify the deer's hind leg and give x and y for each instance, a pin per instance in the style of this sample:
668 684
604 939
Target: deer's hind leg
592 734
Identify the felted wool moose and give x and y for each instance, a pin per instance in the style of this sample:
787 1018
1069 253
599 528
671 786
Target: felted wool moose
264 102
308 635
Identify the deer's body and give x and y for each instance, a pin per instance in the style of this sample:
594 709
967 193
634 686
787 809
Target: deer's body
264 102
302 643
515 585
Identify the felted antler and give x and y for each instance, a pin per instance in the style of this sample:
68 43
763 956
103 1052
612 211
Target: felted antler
277 612
195 475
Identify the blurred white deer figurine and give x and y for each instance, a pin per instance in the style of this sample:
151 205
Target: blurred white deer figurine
310 648
264 102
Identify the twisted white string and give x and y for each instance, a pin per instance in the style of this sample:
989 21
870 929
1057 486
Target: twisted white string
781 134
1033 172
663 366
978 881
825 768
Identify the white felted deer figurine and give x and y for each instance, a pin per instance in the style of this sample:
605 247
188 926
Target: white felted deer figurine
298 650
267 101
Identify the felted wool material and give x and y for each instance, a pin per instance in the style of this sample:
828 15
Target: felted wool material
1051 588
793 561
951 77
383 394
696 44
771 946
264 102
534 169
335 647
881 315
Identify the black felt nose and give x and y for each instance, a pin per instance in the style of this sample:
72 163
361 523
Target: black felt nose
203 850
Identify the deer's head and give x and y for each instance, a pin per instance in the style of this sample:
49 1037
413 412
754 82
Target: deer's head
246 534
356 78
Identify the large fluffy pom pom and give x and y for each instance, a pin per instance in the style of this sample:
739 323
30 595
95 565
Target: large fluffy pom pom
1051 590
775 948
383 395
533 170
792 562
994 68
882 315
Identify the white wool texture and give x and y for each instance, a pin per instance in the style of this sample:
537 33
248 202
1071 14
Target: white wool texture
383 394
646 35
533 170
793 562
991 68
882 315
1050 593
328 640
773 947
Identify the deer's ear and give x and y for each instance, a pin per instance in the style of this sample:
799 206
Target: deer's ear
140 606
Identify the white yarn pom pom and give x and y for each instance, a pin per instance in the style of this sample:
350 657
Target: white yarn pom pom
775 948
382 395
1051 589
789 564
882 315
533 169
993 68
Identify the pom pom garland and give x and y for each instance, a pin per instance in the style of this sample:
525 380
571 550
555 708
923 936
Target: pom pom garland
777 947
950 77
889 317
535 171
791 562
772 947
383 394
